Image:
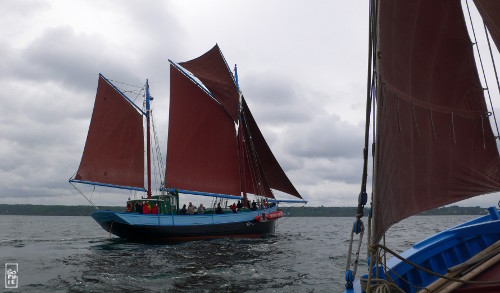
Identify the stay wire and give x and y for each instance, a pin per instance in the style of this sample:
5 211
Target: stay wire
369 90
491 55
482 68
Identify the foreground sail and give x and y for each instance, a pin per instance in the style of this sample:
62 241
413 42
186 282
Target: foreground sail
434 144
214 149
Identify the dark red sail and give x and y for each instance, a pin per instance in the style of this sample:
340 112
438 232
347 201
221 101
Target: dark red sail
253 177
274 174
211 68
490 12
435 145
202 152
114 151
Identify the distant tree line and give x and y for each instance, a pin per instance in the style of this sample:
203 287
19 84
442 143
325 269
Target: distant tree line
60 210
52 210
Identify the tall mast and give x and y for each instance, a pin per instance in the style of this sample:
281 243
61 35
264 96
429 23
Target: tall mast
241 140
148 139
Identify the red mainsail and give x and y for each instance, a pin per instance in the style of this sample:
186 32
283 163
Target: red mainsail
114 150
434 143
202 151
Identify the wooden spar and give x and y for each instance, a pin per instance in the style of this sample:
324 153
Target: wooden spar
473 273
148 139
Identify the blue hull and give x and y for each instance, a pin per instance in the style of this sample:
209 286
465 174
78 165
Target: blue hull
442 251
173 228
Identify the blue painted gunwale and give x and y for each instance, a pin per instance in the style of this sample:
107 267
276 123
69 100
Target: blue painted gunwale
442 251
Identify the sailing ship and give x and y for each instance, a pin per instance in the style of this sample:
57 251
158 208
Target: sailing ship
214 149
433 145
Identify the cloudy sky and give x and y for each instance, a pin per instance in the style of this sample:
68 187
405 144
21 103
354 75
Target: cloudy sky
302 69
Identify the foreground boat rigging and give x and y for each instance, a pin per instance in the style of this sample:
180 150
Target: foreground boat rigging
433 145
215 149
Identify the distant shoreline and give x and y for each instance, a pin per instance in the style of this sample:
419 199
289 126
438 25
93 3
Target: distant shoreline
61 210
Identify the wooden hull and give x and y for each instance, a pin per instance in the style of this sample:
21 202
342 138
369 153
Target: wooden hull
175 228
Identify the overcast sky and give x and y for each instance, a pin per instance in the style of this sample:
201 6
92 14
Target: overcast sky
301 67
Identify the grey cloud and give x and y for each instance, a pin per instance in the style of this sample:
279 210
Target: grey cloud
327 136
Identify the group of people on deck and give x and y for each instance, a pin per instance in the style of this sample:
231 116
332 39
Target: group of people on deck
235 207
191 209
145 208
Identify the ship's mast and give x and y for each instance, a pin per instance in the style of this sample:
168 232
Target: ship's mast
148 139
240 134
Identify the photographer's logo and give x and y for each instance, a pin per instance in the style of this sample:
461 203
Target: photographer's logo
11 277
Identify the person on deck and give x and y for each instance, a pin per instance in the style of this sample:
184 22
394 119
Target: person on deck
183 210
190 209
239 206
146 208
233 208
138 207
154 210
201 209
218 210
254 205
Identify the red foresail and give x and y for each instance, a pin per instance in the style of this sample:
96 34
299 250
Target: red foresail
272 171
114 151
434 142
211 68
490 12
202 152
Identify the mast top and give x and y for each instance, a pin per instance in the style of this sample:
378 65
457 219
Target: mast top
236 77
148 98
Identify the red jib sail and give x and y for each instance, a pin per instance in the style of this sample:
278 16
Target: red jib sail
434 142
114 150
202 151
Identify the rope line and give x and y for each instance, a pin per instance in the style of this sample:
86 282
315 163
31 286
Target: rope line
82 194
482 67
492 59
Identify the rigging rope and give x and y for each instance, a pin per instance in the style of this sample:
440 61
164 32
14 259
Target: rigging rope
82 194
482 68
159 158
136 86
358 226
491 55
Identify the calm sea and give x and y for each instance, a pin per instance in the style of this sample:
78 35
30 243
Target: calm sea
73 254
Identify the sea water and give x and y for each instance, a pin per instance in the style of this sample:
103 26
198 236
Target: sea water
74 254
